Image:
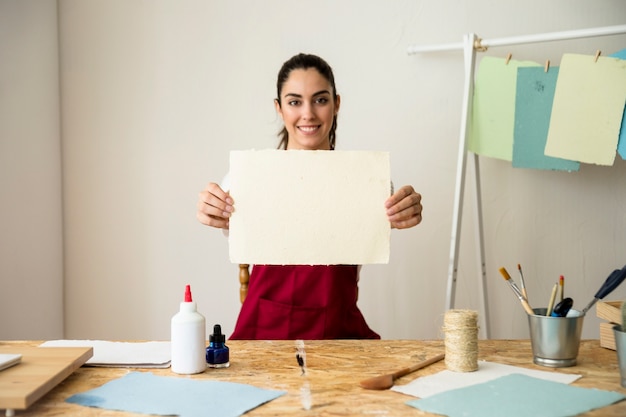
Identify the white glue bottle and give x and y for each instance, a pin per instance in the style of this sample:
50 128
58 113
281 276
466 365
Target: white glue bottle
188 338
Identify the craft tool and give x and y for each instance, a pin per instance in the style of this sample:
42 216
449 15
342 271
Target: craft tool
301 356
382 382
516 291
507 278
552 299
562 307
562 286
612 282
521 282
305 396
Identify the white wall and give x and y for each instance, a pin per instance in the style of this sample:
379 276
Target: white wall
31 244
156 94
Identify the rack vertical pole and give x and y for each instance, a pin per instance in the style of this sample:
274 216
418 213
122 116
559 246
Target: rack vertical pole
469 53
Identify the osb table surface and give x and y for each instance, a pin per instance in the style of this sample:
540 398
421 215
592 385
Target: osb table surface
334 371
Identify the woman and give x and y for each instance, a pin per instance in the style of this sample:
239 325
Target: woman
298 301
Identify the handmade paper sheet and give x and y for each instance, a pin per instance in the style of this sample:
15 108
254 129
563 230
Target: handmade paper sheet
493 111
621 145
533 107
517 395
309 207
152 354
587 109
443 381
145 393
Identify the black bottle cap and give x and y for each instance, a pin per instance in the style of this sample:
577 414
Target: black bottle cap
217 336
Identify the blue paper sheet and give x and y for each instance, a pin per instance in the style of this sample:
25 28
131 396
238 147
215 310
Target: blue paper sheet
621 146
533 107
517 395
143 392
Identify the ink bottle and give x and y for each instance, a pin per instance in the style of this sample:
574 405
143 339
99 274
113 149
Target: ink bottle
217 354
188 338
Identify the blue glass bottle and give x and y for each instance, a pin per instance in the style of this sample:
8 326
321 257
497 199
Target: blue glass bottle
217 354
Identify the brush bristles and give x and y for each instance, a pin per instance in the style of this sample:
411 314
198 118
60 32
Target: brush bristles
505 274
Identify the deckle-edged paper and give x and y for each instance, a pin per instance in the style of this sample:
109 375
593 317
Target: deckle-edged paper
533 106
152 354
493 111
517 395
447 380
309 207
145 393
621 144
587 109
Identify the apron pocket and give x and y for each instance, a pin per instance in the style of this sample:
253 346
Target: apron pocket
285 321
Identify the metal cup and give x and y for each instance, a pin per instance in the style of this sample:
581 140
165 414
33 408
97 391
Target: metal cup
555 340
620 346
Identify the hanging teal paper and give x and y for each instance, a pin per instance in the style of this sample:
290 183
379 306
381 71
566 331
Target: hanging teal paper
143 392
587 109
533 106
621 144
493 110
517 395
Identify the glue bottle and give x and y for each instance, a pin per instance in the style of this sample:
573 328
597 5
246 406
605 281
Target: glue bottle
188 338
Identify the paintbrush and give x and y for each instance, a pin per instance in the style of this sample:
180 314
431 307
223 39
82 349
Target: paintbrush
517 291
521 281
386 381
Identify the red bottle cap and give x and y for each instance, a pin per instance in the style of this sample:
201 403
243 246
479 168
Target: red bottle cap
188 294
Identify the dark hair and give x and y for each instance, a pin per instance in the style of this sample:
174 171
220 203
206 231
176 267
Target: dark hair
305 61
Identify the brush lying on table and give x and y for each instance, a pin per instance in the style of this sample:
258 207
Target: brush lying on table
386 381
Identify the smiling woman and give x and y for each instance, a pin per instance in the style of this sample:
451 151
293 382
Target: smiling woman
308 103
305 301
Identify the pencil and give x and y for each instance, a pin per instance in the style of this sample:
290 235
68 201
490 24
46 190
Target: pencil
551 302
521 281
562 285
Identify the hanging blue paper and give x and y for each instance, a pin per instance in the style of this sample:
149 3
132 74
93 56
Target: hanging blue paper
533 107
621 145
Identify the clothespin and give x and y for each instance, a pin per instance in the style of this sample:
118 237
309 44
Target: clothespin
508 58
598 52
547 66
478 46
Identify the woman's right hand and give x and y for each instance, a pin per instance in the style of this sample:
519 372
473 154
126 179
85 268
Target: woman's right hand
215 206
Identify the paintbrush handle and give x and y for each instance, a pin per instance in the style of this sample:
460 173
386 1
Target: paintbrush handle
417 366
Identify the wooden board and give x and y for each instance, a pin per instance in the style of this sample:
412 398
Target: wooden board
607 337
40 370
610 311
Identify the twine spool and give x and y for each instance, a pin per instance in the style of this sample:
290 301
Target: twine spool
460 329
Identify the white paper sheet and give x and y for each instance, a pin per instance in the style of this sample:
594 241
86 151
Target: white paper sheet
447 380
155 354
309 207
8 360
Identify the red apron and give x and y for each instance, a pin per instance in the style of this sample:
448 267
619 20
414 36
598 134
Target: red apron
302 302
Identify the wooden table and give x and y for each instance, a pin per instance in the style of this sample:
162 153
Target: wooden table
334 371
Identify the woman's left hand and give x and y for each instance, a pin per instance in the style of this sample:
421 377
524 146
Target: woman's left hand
404 208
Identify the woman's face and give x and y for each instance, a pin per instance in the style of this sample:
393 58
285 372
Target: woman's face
307 109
